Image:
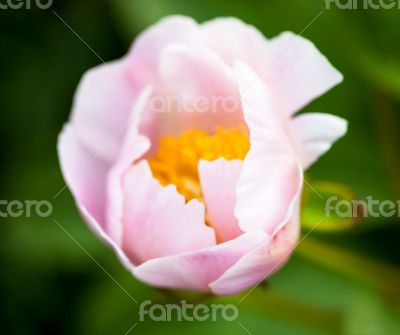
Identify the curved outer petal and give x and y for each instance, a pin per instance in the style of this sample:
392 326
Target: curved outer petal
99 231
235 40
298 72
271 179
106 94
292 66
175 29
261 262
316 132
194 271
134 146
102 106
85 175
218 183
156 220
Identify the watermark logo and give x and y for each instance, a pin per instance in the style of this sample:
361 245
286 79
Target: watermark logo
27 208
187 312
362 208
362 4
193 104
25 4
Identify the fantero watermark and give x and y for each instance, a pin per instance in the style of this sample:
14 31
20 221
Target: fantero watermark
362 4
362 208
187 312
27 208
25 4
193 104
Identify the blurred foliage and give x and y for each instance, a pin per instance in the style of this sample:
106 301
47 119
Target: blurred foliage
339 281
316 215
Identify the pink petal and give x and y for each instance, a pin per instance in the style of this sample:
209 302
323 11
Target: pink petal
259 263
271 178
297 72
292 66
84 174
195 270
175 29
156 220
106 94
101 109
189 71
235 40
218 183
196 90
99 231
316 132
134 146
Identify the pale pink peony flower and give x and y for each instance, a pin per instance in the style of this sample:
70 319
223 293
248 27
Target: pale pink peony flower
190 192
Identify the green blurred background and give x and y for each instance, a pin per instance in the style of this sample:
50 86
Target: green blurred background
344 278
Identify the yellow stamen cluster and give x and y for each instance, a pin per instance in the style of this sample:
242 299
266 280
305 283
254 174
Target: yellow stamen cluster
177 157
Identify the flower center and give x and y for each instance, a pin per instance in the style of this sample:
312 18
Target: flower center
177 157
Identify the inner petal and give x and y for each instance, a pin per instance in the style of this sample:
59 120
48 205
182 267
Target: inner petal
177 156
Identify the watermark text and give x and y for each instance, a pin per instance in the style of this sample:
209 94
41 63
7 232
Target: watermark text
362 4
27 208
187 312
